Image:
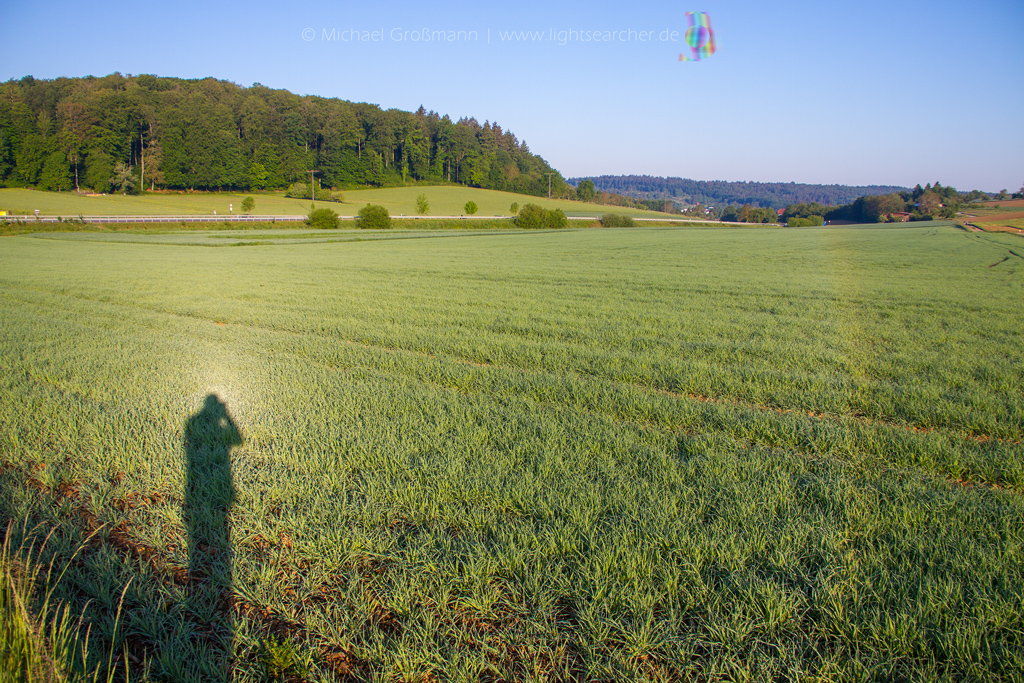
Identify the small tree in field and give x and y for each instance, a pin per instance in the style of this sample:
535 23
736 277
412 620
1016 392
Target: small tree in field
248 204
471 207
373 217
422 205
298 191
323 219
514 209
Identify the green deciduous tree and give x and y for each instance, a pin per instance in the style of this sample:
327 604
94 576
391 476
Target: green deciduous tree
56 173
557 219
803 210
258 176
208 134
248 204
514 208
470 207
373 217
422 205
122 178
532 216
929 202
297 191
98 170
585 192
322 219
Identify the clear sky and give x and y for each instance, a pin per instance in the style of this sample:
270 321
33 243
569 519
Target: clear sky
798 90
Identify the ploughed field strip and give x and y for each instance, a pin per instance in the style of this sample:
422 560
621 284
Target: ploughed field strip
597 455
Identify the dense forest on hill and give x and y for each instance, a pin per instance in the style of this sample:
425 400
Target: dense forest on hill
687 192
123 133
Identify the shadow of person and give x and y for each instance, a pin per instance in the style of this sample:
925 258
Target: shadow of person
209 494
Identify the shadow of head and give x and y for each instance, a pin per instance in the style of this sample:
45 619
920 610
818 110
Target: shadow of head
212 426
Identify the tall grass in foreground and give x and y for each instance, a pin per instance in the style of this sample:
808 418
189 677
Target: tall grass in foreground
41 641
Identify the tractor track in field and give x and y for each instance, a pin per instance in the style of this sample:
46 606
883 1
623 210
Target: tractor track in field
714 400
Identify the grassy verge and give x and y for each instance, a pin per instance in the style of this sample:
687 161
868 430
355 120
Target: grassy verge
40 639
12 228
443 201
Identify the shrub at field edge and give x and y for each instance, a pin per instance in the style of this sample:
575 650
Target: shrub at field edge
323 219
532 216
616 220
373 217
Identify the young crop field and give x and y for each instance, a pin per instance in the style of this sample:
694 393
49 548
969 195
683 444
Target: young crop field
651 454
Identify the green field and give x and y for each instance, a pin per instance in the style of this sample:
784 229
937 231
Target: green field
665 454
444 201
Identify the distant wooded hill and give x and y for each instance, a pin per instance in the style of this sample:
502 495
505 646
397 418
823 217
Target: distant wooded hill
119 133
713 192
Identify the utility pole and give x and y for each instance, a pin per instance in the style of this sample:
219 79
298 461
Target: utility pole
312 193
549 184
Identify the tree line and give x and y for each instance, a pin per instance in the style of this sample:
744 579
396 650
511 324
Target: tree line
687 192
126 133
921 203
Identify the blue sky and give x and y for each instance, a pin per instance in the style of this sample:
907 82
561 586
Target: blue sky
818 92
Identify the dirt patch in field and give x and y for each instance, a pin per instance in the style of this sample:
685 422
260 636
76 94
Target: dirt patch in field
1002 216
1009 229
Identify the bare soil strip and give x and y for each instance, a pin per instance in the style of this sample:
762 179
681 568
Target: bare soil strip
996 217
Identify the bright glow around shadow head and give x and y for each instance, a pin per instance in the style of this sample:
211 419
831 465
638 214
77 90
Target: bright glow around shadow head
229 385
220 369
229 395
